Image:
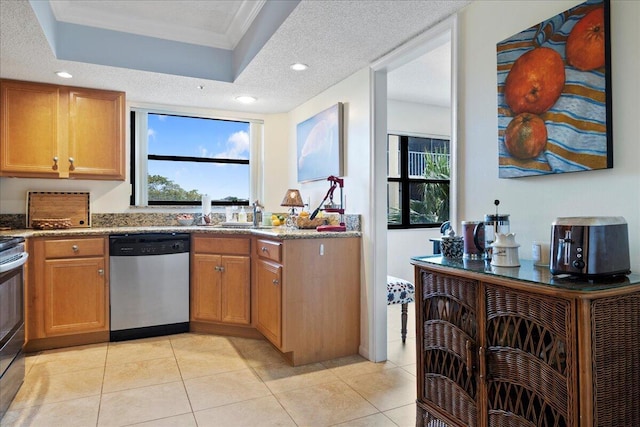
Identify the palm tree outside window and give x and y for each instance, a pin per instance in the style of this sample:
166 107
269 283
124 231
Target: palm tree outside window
418 181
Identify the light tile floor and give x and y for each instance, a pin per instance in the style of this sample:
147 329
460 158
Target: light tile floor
203 380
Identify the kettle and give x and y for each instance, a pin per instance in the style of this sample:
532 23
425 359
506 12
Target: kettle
505 251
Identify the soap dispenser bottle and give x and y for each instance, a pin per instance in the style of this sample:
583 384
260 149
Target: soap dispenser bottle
242 216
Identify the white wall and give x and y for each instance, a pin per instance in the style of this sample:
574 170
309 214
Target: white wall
409 118
534 202
354 92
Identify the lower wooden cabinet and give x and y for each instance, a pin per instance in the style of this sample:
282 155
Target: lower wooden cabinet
221 280
268 296
68 290
496 351
307 296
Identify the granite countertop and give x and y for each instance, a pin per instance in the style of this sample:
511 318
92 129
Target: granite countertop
281 233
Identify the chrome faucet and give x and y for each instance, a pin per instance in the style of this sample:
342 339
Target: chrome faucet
257 209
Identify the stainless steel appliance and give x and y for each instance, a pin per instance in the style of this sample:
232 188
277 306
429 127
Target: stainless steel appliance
590 246
12 259
149 284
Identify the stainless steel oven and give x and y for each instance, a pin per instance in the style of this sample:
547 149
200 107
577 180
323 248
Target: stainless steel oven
12 259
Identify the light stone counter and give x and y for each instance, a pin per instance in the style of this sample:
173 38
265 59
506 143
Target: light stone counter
281 233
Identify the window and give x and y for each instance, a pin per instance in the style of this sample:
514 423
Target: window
178 158
417 181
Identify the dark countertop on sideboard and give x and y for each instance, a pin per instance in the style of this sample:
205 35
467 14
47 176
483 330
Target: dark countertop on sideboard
526 272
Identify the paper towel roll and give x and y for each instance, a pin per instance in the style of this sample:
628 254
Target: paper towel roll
206 204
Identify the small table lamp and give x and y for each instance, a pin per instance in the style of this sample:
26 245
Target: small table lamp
292 199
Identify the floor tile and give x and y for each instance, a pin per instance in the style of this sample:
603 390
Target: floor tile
258 352
412 369
280 378
351 366
404 416
325 404
387 389
222 389
143 404
263 412
184 420
375 420
81 412
137 350
200 343
200 364
400 354
177 380
40 389
53 362
140 374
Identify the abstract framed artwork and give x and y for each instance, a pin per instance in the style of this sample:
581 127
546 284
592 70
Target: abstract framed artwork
319 145
554 95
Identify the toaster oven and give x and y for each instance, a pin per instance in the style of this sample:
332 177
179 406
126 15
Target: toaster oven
590 246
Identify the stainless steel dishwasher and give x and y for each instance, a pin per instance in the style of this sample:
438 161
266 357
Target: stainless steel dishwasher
149 284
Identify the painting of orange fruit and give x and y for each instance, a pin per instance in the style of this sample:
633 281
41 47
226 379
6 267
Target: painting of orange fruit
554 95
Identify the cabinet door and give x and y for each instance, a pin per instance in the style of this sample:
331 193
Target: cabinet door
268 288
530 360
206 288
30 129
96 134
74 296
236 284
448 331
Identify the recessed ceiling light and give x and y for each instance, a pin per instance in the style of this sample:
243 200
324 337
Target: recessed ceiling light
299 66
245 99
63 74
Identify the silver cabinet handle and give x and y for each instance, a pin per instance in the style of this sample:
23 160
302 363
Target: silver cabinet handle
71 166
101 272
263 249
75 248
55 163
275 281
219 268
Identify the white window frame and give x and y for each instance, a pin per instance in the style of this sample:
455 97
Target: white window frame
140 152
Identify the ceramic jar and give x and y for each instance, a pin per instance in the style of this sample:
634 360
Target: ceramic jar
505 251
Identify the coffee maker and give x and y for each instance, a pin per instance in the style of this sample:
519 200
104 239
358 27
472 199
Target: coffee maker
485 232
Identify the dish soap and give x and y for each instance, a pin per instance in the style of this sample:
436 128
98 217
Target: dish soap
242 216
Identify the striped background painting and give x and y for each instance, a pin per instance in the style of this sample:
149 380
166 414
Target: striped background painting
577 122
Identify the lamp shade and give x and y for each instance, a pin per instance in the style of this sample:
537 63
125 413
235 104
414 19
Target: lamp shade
292 198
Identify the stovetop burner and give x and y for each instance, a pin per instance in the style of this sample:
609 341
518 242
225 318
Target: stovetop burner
8 242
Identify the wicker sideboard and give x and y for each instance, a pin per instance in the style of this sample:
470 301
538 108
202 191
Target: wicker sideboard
519 347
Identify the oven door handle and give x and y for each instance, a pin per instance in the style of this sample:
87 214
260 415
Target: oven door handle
14 264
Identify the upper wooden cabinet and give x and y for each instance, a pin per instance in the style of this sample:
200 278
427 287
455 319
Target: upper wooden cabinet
49 131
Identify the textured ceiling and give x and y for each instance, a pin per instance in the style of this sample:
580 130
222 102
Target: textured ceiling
335 38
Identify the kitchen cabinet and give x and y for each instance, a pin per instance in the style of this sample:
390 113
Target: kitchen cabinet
307 296
519 347
221 280
67 291
50 131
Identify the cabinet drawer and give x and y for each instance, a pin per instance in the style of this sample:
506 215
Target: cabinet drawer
269 249
221 245
69 248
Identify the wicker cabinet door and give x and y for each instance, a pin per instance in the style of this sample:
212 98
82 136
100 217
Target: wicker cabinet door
447 322
530 359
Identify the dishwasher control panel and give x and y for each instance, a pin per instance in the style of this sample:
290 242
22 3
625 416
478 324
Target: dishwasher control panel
148 244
